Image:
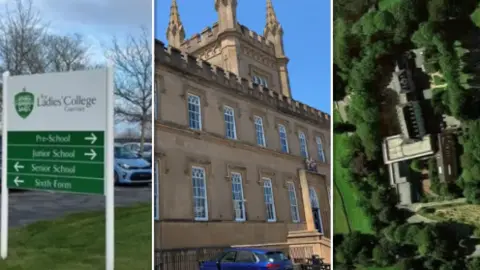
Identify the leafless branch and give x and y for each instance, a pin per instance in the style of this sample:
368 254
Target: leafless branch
133 82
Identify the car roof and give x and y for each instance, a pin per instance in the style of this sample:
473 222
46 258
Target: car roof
256 250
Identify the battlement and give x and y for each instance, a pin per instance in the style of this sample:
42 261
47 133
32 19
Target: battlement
184 62
199 40
257 39
209 35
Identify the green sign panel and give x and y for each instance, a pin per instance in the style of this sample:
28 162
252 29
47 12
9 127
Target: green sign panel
70 161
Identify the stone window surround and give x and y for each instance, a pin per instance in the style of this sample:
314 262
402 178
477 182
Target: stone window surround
242 184
296 201
237 113
324 144
288 129
262 126
274 209
255 71
206 164
242 170
187 89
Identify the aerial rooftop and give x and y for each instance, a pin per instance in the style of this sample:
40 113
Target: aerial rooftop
396 149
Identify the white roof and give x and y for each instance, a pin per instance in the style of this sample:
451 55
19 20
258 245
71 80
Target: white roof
396 149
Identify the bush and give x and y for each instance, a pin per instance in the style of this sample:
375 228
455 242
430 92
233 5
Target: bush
343 128
476 232
416 165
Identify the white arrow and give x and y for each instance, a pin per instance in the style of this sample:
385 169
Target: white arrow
17 166
92 138
17 181
92 154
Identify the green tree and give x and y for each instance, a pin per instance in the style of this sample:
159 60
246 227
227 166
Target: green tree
381 256
474 263
416 165
352 10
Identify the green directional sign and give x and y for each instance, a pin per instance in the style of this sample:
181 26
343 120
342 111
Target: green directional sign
71 161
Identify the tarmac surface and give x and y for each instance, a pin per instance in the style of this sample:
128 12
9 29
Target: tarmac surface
26 207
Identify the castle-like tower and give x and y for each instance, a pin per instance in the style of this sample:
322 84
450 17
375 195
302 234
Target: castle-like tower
238 161
237 49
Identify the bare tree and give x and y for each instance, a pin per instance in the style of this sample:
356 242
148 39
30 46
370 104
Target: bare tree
66 53
129 133
133 79
21 36
27 47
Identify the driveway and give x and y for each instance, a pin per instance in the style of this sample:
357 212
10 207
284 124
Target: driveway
30 206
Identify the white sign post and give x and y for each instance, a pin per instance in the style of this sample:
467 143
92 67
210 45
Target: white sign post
58 136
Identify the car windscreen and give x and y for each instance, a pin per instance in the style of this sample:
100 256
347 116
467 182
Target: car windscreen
276 256
147 148
122 153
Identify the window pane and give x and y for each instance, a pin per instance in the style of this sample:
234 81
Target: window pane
269 200
245 257
315 205
199 193
194 112
293 202
259 131
237 195
229 257
321 153
303 145
229 117
283 138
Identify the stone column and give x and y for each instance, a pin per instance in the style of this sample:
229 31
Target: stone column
307 207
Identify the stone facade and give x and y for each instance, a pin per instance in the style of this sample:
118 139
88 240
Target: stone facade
228 134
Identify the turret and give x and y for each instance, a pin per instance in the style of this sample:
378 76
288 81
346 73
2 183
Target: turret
227 14
273 32
175 30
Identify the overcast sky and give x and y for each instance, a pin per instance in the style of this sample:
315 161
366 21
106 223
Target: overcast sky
97 20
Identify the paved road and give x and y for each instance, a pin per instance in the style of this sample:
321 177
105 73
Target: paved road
30 206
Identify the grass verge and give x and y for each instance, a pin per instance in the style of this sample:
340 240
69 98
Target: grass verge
347 215
77 242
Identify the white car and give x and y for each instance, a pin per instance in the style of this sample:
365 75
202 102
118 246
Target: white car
135 148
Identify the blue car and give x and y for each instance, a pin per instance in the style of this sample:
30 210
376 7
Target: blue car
131 168
248 258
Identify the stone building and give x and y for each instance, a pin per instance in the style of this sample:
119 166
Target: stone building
238 161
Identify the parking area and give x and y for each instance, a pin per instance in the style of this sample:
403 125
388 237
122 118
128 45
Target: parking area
31 206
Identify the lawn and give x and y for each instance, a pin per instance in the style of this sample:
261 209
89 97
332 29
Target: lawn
77 242
346 213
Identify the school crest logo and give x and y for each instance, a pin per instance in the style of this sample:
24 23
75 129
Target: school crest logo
24 102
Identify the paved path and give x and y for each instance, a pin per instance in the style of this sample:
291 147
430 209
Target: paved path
416 218
418 206
419 219
30 206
